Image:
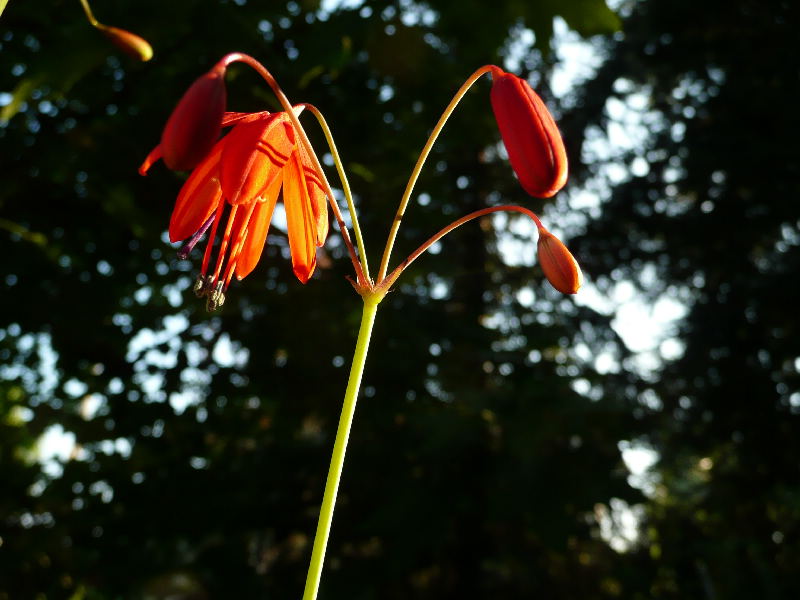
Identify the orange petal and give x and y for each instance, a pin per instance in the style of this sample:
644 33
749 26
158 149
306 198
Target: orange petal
154 155
319 200
558 264
257 230
319 208
198 197
299 219
254 154
232 118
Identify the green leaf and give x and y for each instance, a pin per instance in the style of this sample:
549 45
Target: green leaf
590 17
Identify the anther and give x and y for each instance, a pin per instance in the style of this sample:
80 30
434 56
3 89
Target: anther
216 298
202 285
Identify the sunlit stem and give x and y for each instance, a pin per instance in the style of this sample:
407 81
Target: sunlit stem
387 282
345 184
87 9
339 448
412 180
363 281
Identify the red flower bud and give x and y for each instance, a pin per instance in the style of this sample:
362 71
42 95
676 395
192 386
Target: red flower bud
195 124
530 134
130 43
558 264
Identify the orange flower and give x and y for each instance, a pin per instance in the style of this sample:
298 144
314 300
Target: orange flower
558 264
246 170
530 135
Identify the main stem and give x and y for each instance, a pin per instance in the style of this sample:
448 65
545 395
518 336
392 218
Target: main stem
339 448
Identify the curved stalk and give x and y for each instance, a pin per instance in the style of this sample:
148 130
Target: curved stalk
362 254
412 180
89 16
384 284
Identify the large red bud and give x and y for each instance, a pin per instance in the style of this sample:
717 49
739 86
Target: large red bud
195 124
530 135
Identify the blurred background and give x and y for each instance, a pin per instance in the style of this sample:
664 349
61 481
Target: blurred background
639 440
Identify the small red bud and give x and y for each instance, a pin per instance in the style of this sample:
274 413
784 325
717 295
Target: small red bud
130 43
530 134
558 264
195 124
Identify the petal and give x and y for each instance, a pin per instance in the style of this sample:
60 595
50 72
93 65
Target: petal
299 219
194 125
316 193
228 119
531 137
232 118
254 154
198 198
257 230
319 208
154 155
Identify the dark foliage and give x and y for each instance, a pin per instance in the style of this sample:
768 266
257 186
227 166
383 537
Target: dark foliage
475 468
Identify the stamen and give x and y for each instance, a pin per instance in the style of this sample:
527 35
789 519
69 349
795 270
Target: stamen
210 244
202 286
187 247
238 245
224 245
216 298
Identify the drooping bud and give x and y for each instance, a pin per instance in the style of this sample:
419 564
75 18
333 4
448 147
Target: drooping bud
131 44
558 264
195 124
530 135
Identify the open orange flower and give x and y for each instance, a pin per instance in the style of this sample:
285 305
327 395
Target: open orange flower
246 170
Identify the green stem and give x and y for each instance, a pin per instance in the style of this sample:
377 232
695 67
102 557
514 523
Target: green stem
401 210
348 195
339 448
89 15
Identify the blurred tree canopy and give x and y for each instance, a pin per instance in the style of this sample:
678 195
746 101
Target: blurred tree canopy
485 458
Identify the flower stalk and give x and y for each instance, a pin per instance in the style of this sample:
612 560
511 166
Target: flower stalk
340 447
131 44
267 154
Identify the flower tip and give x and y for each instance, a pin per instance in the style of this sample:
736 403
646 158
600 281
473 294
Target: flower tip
530 134
558 264
303 272
154 155
131 44
195 124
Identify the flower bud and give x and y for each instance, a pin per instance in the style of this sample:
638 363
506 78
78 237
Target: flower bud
530 135
195 124
130 43
558 264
